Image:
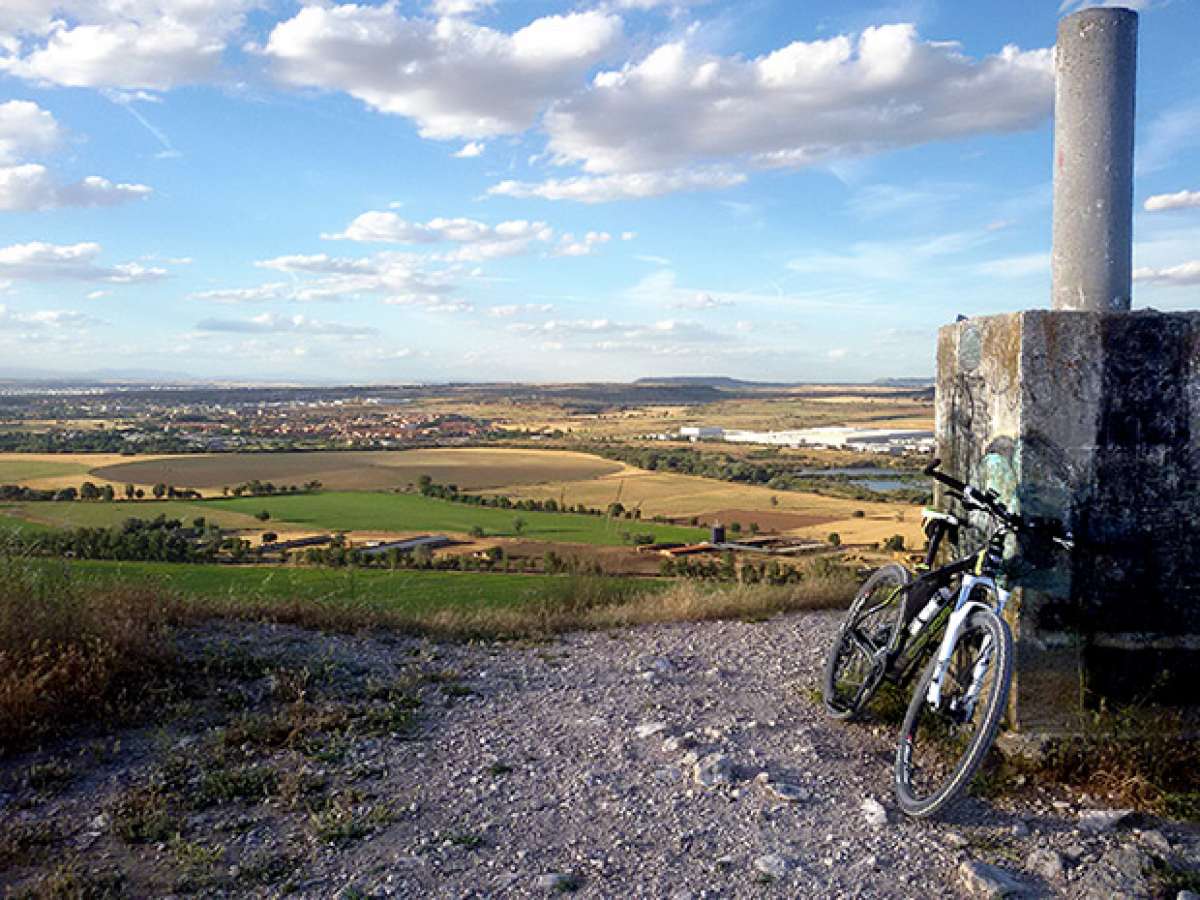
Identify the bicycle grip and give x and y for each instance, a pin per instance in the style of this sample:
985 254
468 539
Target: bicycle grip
950 482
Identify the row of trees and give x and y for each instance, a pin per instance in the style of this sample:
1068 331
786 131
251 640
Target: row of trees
98 441
158 540
256 488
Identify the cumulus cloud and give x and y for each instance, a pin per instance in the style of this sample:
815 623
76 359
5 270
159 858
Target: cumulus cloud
154 44
471 150
1184 274
1178 200
26 130
395 277
273 323
625 186
39 261
479 241
454 78
806 103
32 187
568 246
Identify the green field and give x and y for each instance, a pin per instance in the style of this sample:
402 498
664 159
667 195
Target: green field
404 591
12 525
349 511
412 512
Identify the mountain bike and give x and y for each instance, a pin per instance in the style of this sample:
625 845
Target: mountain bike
894 624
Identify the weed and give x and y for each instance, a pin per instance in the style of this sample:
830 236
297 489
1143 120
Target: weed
25 843
70 880
499 768
345 819
141 816
239 783
466 839
50 777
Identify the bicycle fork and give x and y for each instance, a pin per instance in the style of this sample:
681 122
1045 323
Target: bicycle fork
958 619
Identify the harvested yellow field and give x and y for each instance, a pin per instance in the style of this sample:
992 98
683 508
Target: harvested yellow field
50 471
792 512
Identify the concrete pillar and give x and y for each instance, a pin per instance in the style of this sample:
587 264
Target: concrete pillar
1095 61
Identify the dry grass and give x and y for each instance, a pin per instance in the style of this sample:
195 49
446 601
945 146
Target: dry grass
1142 756
71 650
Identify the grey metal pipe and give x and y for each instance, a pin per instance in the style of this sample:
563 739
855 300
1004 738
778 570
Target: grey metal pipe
1095 68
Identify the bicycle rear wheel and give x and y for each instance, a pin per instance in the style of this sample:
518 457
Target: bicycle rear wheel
941 747
854 666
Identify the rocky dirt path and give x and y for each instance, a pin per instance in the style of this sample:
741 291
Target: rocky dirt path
672 761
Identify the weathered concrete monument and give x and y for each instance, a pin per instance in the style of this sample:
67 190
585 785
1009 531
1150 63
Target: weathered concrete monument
1090 412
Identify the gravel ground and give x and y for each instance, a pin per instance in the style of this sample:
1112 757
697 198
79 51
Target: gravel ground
669 761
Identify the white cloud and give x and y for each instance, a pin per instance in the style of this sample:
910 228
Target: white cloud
625 186
273 291
98 295
26 130
479 241
395 277
471 150
38 261
273 323
628 235
568 246
31 187
456 79
699 301
806 103
43 319
459 7
837 353
155 44
1184 274
513 309
320 263
1178 200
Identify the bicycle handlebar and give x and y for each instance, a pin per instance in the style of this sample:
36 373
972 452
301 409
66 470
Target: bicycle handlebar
987 501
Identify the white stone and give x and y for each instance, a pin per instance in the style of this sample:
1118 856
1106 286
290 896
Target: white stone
649 729
772 865
874 812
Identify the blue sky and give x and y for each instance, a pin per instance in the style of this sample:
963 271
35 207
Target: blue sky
472 190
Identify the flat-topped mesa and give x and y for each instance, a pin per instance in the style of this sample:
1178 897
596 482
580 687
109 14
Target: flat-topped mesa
1095 63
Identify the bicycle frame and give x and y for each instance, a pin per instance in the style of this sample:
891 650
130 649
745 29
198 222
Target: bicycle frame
963 608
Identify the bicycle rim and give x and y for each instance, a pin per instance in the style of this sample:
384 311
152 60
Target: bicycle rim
942 747
854 666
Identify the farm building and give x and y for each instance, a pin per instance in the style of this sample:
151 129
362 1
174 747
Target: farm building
430 541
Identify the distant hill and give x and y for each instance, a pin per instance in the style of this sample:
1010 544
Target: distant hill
904 382
713 381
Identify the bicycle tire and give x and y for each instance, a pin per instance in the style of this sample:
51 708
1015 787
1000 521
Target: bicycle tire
933 791
842 704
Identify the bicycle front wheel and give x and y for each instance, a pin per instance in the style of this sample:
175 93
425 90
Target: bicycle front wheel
942 745
855 663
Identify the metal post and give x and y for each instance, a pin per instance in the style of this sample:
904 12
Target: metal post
1095 62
